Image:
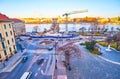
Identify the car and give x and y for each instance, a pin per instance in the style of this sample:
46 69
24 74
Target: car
50 49
52 39
67 39
40 61
80 38
24 59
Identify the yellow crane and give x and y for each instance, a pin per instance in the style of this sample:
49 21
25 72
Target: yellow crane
70 13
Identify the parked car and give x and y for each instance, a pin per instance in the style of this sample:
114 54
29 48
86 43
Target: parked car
40 61
52 39
67 39
24 58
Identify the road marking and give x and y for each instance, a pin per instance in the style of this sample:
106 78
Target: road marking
32 62
42 65
42 72
52 67
45 60
109 60
36 74
39 68
48 63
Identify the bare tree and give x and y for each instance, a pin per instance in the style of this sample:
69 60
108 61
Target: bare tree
116 39
35 28
69 50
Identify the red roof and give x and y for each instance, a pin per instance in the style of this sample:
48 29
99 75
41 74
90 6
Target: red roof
3 17
16 20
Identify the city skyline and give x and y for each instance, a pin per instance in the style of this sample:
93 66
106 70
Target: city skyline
52 8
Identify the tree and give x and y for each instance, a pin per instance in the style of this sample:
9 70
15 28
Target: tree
118 29
112 30
82 30
45 30
68 51
35 29
116 39
98 30
118 18
90 45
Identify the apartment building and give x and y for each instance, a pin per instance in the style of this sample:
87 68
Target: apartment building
7 41
18 26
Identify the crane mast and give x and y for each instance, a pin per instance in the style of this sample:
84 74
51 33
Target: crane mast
70 13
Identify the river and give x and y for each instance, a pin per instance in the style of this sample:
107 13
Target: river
71 27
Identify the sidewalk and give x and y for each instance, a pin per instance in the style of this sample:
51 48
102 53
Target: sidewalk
60 72
12 62
112 55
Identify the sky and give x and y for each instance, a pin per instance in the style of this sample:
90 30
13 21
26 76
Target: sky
55 8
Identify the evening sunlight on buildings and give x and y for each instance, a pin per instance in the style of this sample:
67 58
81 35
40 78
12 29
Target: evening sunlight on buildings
64 39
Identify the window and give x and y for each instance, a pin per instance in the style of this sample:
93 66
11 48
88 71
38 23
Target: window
0 36
4 26
3 45
0 56
14 46
5 53
9 25
6 34
12 40
10 49
8 41
11 32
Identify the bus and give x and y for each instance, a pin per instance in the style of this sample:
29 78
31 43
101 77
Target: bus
26 75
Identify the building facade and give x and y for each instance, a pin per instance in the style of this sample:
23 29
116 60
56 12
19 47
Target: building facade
18 26
7 40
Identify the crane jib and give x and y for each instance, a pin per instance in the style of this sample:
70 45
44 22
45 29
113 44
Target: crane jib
75 12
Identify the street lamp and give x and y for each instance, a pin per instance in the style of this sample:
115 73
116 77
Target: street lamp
55 55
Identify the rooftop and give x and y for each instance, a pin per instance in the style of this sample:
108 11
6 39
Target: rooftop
16 20
4 17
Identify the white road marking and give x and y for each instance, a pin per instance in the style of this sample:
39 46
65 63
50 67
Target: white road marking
42 64
39 68
36 74
52 66
45 60
48 64
109 60
42 72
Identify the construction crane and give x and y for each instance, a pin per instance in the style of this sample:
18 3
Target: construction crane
70 13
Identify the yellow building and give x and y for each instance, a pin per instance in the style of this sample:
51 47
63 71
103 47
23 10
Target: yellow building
7 41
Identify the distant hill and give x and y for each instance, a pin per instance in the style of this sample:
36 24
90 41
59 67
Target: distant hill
100 20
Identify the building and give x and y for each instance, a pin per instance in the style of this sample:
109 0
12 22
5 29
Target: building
7 41
19 26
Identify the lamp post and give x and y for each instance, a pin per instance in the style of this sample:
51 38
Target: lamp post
55 55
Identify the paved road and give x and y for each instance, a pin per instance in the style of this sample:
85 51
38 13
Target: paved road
90 66
38 71
112 55
18 70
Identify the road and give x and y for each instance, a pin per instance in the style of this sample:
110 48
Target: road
91 66
42 71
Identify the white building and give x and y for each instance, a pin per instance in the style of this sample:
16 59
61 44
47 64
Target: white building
19 26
